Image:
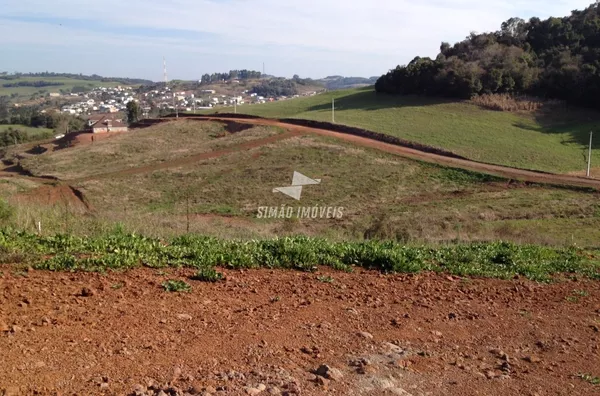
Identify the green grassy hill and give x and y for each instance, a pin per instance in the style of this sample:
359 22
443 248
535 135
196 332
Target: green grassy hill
153 180
548 141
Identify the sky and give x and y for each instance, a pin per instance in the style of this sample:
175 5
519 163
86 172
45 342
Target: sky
311 38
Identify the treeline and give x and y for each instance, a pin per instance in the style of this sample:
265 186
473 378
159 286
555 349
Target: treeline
13 135
33 116
275 87
93 77
554 58
232 75
36 84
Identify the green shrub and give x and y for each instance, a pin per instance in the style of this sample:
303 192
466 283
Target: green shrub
119 250
6 211
173 285
207 274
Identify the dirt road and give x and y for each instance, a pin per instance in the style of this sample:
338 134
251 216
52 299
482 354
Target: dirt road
498 170
94 334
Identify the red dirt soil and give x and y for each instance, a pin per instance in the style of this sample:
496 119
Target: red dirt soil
427 334
55 194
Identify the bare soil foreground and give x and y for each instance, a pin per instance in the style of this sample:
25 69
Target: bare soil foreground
268 332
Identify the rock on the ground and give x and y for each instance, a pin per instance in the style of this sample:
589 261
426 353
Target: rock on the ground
184 317
12 391
253 391
329 372
533 359
273 390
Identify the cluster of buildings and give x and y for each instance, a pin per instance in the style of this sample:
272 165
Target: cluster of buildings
102 100
206 98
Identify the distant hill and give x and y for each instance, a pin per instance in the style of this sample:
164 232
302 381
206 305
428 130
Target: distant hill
81 77
340 82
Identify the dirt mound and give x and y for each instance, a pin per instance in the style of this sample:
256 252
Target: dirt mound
74 139
285 332
55 194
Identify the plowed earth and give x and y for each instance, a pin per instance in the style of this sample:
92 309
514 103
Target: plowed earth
264 332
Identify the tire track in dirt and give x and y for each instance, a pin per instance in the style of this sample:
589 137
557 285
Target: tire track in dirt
496 170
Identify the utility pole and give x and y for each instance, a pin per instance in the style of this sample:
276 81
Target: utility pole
333 110
235 106
589 156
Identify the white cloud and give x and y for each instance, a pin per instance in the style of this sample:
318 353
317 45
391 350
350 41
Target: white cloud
388 29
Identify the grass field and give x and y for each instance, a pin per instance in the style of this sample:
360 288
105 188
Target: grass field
153 145
69 83
550 141
29 130
383 196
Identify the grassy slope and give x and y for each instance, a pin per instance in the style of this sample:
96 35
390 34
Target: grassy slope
29 130
555 144
418 202
69 84
153 145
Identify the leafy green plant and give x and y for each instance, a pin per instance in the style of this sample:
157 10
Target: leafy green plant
589 378
207 274
575 295
122 251
173 285
325 279
6 211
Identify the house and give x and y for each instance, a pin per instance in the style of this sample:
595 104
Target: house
54 94
101 123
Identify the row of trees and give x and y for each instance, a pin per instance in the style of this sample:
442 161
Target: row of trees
553 58
13 135
93 77
275 87
33 116
232 75
36 84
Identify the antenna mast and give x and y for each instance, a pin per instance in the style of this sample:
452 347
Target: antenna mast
165 68
167 86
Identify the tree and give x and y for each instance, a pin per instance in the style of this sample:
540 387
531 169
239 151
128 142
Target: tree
4 108
555 58
134 112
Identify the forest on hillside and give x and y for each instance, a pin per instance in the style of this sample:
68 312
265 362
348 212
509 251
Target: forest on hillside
555 58
275 87
231 75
